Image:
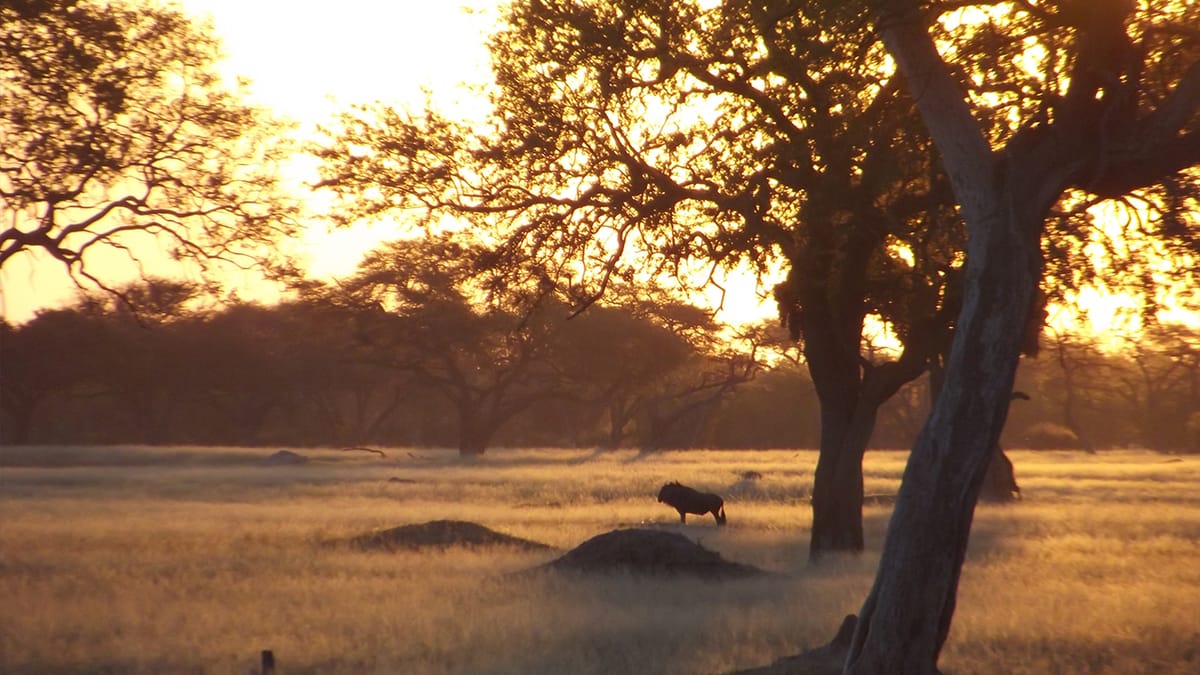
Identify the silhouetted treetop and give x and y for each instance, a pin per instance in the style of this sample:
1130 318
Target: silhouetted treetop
121 136
1125 73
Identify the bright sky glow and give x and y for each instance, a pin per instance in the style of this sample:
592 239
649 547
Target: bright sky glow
307 61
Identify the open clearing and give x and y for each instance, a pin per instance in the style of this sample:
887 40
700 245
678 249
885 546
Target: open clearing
193 560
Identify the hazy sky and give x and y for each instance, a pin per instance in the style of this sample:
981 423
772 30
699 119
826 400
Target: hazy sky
307 60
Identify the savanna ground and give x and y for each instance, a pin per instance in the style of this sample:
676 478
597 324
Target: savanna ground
193 560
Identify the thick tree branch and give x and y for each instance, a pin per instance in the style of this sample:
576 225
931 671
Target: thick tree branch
941 101
1177 110
1139 167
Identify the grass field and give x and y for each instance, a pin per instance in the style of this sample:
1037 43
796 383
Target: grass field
192 560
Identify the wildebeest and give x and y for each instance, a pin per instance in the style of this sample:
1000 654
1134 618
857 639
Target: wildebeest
685 500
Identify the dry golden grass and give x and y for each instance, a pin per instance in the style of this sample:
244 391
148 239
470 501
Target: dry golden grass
192 560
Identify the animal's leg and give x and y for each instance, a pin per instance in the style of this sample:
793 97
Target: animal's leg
683 517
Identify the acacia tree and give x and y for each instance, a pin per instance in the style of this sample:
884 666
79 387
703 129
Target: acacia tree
1112 127
1160 385
611 358
649 366
250 363
137 352
100 347
679 137
121 137
1083 372
427 308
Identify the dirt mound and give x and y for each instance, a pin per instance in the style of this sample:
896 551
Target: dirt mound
285 458
441 534
650 552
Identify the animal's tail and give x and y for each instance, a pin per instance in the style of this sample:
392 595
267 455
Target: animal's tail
721 515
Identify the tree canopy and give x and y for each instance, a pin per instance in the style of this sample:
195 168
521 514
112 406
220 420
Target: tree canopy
635 137
638 138
1108 130
425 307
121 137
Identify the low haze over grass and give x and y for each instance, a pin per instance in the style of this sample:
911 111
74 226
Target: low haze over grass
151 560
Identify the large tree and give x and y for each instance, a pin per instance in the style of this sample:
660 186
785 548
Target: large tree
142 358
251 364
666 135
428 308
1160 386
1114 125
683 137
654 368
121 138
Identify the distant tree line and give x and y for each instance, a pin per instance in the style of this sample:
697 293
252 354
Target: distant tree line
326 371
315 372
1141 391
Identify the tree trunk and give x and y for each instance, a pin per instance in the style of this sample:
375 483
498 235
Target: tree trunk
1000 481
829 317
850 395
838 482
1004 199
849 409
474 434
906 617
19 411
837 493
618 419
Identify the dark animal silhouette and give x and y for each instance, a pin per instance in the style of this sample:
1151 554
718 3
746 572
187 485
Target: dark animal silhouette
685 500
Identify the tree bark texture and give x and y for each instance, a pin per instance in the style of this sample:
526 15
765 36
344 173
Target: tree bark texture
1000 481
838 485
1096 143
850 393
906 617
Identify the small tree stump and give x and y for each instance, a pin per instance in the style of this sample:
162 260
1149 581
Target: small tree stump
1000 482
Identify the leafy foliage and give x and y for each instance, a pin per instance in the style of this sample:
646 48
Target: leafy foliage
674 137
121 137
641 139
1128 226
